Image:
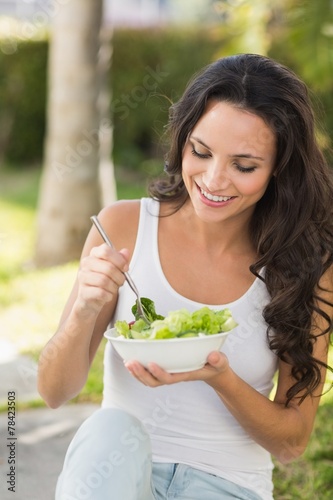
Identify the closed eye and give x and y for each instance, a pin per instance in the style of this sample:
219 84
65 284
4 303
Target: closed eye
240 168
199 155
244 170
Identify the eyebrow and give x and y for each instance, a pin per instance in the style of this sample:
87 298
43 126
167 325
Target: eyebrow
252 157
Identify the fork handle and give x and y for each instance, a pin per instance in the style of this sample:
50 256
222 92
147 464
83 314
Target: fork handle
105 237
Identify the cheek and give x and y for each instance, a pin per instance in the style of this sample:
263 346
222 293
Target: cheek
252 186
189 166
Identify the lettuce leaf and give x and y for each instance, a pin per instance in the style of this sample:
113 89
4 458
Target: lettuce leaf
149 309
176 324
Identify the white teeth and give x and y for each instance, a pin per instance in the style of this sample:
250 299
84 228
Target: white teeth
214 197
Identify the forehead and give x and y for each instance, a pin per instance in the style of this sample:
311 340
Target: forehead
224 123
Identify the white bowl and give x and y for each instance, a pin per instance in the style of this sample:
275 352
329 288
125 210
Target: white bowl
174 355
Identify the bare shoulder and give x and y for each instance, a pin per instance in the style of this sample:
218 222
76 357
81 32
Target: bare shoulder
120 220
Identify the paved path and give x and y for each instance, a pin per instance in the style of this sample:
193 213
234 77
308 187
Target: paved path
42 434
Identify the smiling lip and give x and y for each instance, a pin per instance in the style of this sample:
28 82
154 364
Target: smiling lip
214 198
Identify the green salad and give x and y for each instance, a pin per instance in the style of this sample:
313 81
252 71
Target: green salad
177 324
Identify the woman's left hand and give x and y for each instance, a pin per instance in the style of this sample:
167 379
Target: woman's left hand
154 375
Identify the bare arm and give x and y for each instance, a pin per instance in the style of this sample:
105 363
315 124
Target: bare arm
283 431
65 361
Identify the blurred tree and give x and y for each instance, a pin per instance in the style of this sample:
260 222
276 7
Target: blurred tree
302 34
76 125
244 25
306 29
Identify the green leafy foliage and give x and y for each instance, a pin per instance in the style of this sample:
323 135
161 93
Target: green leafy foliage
149 308
23 102
302 38
150 68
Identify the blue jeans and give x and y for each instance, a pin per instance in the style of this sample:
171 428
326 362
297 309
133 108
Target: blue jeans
109 458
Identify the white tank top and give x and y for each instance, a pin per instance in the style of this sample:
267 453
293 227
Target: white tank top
187 422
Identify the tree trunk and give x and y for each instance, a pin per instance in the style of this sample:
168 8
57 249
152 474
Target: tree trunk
69 190
106 167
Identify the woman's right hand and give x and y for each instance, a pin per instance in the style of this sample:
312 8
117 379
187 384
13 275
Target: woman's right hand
100 275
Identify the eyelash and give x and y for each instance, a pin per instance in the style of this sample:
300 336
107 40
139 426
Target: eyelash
199 155
246 170
243 170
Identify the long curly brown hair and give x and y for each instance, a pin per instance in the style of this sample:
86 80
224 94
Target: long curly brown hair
292 226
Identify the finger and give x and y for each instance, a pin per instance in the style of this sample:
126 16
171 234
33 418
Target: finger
126 254
167 378
103 270
142 374
217 360
90 294
159 373
104 252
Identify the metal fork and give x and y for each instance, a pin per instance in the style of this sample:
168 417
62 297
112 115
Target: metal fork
128 278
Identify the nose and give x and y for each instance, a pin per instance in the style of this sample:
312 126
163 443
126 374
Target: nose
215 178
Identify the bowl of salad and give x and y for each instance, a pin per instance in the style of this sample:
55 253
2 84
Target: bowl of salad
178 342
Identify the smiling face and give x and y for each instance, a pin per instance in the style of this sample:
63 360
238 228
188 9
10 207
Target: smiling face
228 161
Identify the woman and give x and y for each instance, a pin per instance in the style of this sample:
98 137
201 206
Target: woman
242 219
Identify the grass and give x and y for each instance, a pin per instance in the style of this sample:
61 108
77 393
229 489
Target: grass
29 316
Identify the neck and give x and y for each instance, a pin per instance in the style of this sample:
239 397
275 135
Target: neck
231 236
